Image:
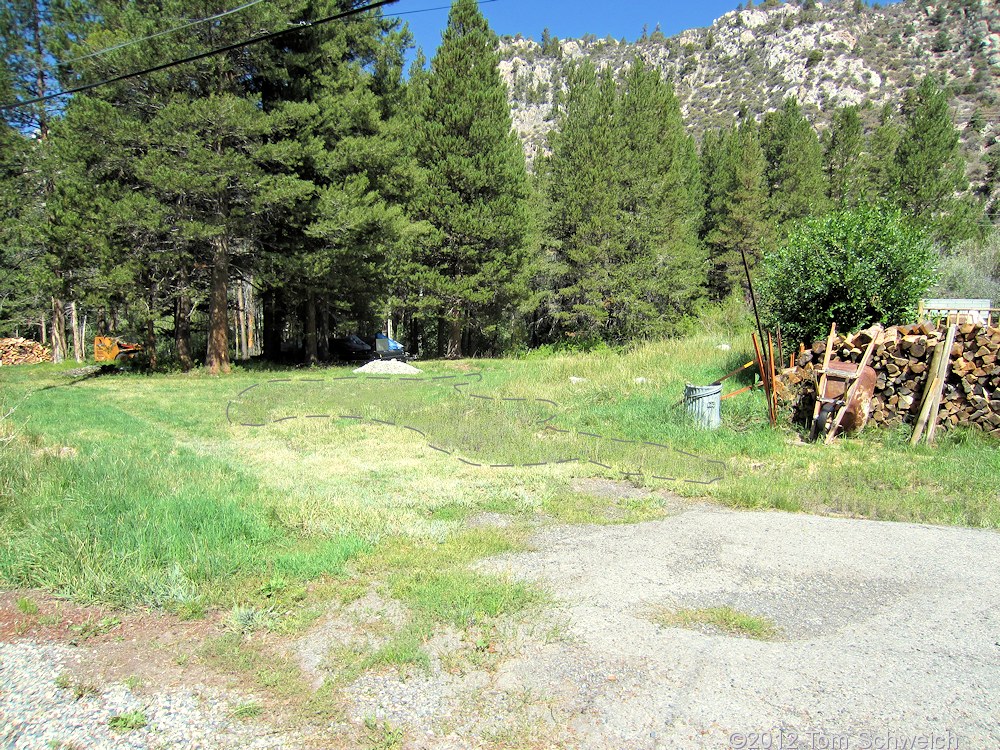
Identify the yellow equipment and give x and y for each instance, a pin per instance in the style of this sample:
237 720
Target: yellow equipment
108 349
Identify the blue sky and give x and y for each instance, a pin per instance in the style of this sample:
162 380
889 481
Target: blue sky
568 18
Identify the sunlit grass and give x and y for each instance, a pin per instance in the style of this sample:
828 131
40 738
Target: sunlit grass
724 619
166 498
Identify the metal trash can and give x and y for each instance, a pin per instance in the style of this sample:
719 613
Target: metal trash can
703 403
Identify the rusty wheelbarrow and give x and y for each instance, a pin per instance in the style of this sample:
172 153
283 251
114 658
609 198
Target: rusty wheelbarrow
844 394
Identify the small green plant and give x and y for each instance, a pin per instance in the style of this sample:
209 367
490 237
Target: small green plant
48 620
247 711
91 629
382 735
132 682
27 606
128 722
78 688
725 619
248 619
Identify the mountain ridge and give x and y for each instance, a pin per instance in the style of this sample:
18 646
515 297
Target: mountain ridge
824 54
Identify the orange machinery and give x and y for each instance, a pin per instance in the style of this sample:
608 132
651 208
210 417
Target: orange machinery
109 350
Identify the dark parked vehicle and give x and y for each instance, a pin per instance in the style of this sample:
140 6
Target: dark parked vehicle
351 349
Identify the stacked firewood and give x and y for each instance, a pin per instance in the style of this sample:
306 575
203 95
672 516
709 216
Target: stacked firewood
23 352
902 361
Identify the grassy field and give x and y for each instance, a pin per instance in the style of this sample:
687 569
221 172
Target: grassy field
186 491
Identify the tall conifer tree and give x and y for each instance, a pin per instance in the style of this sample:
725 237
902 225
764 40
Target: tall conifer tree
879 174
844 147
930 170
738 210
794 157
582 195
476 188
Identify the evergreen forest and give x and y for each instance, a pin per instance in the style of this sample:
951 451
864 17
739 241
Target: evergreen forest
270 197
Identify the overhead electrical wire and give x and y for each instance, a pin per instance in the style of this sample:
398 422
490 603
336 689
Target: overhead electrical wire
158 34
210 53
201 55
217 16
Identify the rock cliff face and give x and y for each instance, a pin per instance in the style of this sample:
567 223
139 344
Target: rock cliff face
832 54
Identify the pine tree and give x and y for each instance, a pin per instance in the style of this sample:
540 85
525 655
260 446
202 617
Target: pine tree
184 140
33 35
582 198
794 157
625 201
843 156
660 203
340 172
476 182
737 224
930 168
879 174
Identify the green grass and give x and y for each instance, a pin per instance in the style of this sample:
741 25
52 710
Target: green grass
27 606
168 504
247 711
724 619
381 735
78 688
128 722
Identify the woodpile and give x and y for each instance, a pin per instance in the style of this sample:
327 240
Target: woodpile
23 352
902 360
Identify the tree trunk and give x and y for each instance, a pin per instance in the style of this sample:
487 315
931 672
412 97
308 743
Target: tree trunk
182 324
413 331
312 355
273 323
74 324
454 350
150 344
45 335
324 331
241 322
58 330
217 353
102 322
250 300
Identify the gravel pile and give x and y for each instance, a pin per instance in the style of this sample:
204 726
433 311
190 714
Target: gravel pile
388 367
36 713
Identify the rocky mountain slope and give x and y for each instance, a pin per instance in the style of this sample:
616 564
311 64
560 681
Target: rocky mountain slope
826 55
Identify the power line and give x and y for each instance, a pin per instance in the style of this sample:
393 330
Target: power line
200 56
216 17
188 25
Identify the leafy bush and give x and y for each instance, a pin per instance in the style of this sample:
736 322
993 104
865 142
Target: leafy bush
855 267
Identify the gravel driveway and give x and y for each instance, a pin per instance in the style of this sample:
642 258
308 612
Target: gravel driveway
889 639
890 633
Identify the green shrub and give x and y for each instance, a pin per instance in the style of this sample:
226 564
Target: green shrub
856 267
